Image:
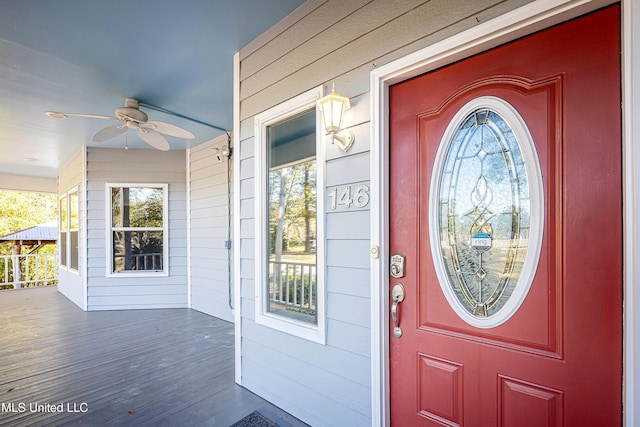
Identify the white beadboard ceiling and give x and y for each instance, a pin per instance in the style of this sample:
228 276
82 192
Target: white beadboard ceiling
87 56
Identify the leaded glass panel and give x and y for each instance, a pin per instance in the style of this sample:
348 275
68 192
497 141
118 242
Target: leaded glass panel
484 212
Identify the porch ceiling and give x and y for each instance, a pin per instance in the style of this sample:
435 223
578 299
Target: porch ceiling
84 56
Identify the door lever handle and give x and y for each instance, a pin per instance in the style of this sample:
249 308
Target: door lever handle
397 293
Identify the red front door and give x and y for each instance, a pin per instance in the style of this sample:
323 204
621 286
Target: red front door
512 313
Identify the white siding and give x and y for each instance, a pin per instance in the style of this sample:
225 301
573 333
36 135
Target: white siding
320 43
210 227
27 183
71 283
71 174
136 166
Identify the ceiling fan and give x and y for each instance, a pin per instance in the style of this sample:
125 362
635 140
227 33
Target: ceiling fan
150 131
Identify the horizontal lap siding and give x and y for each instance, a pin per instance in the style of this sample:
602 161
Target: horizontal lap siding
70 175
210 221
324 42
136 167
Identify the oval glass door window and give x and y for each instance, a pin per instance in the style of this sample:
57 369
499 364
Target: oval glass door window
486 212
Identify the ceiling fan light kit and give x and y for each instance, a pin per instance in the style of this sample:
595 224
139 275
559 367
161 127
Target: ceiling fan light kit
56 115
132 117
131 112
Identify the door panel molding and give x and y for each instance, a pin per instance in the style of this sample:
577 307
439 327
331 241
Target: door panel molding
521 402
549 92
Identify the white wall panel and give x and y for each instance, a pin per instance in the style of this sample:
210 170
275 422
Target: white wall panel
72 283
211 195
136 166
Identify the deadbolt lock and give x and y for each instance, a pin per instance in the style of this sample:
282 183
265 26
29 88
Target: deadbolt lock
396 268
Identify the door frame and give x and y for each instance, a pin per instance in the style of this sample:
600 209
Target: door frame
510 26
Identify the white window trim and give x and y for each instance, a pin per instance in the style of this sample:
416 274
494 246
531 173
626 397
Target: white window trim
67 195
165 230
303 102
520 22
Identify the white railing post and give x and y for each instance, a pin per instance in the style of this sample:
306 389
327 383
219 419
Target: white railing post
38 265
296 274
37 275
26 270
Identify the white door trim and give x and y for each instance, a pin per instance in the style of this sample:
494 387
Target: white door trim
631 205
510 26
237 277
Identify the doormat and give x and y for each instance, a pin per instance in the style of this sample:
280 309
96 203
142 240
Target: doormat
254 419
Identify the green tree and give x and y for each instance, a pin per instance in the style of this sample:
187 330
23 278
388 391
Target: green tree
20 210
292 207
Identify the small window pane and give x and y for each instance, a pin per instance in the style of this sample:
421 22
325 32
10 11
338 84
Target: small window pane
73 262
73 230
291 215
63 248
73 210
137 250
63 213
62 242
136 207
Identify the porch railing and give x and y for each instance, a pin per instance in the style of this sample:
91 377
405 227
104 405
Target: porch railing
293 285
147 262
25 271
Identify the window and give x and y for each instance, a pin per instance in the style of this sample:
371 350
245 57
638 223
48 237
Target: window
291 218
73 230
487 212
289 229
69 225
138 229
64 225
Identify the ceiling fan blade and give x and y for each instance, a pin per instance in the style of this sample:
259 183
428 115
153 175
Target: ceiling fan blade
57 115
169 129
154 139
109 132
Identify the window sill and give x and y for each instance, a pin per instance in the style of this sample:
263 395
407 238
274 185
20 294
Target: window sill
314 333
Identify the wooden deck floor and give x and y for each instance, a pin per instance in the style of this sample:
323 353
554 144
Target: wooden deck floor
117 368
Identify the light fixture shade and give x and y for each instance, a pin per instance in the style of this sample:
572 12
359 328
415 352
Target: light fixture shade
333 107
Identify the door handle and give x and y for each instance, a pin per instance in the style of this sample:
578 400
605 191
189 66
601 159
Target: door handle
397 294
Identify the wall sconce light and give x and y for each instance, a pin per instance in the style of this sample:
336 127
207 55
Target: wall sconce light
333 107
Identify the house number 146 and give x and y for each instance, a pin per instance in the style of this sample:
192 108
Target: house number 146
360 197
